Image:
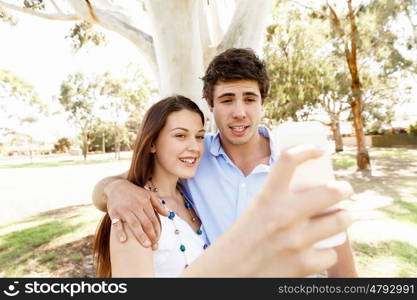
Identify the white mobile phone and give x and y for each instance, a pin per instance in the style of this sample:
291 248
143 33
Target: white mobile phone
313 172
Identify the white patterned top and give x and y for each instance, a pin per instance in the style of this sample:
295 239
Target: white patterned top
168 259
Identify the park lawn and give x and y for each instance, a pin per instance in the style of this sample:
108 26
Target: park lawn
384 236
52 244
59 243
50 164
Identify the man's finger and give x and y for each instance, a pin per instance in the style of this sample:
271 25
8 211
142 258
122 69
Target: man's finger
118 228
135 226
283 169
147 227
158 206
152 216
315 200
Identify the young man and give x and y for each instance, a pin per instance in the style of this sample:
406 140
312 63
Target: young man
234 166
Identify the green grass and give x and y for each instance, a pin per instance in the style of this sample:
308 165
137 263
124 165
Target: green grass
77 257
341 161
44 258
404 254
42 244
402 210
403 155
16 247
57 164
24 222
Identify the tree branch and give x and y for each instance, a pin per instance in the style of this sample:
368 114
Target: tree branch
118 22
58 16
413 26
303 5
353 29
339 29
56 7
248 21
336 22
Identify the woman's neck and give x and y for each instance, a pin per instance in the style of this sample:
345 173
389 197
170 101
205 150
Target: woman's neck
165 183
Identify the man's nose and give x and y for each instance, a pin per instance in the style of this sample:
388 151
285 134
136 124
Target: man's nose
239 110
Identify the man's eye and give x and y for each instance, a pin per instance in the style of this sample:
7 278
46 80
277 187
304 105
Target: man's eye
251 100
226 101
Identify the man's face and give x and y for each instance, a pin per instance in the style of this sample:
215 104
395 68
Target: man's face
237 109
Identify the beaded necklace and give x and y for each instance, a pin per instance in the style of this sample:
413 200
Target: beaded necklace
172 215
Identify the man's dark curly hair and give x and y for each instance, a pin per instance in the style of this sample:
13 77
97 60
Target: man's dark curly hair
235 64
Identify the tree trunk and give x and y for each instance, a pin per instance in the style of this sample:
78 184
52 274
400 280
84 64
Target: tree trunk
362 156
117 143
338 141
85 145
103 145
31 150
178 49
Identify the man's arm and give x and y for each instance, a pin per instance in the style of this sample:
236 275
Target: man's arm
345 266
131 204
101 189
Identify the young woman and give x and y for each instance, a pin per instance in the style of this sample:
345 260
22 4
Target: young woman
168 147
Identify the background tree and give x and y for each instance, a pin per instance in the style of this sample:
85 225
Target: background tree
305 75
177 60
62 145
365 29
339 41
105 131
78 97
20 107
123 96
291 66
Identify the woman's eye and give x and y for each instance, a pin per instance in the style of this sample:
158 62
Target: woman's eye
200 137
180 136
226 101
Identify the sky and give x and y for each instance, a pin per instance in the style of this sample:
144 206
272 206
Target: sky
36 50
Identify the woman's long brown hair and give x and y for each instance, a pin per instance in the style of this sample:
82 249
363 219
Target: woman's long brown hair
141 168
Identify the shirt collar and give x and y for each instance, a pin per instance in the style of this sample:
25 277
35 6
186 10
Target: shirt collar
216 148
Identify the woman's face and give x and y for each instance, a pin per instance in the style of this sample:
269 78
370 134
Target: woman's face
180 144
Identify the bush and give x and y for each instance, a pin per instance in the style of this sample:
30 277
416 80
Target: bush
398 130
375 129
412 130
62 145
96 138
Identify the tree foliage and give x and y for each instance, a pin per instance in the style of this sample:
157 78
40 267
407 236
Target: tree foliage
83 34
78 96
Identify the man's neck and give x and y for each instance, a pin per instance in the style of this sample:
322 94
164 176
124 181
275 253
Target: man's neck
247 156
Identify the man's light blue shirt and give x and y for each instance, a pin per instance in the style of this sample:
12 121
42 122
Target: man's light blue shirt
220 191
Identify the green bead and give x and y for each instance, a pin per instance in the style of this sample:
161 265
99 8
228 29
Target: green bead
182 248
199 232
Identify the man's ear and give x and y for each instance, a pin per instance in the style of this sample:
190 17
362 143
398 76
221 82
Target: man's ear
153 148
